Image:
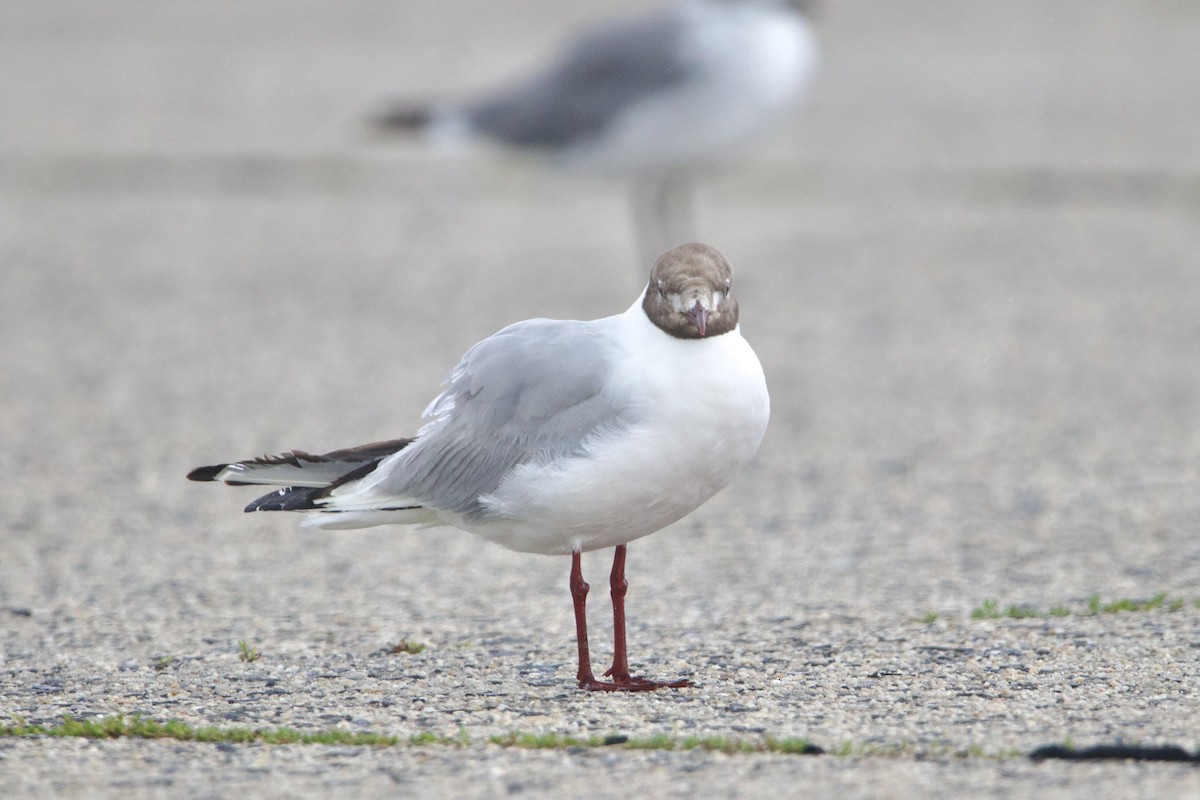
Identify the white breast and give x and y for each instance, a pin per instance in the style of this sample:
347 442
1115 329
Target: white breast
703 409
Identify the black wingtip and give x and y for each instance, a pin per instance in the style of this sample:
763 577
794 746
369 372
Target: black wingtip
289 498
405 118
206 473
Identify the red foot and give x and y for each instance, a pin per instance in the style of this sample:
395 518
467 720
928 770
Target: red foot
630 685
621 681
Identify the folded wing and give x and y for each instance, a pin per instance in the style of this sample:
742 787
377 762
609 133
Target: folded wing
535 391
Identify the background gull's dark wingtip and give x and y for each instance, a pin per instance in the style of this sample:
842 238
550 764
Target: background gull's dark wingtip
408 117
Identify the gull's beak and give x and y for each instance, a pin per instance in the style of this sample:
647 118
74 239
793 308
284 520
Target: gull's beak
698 314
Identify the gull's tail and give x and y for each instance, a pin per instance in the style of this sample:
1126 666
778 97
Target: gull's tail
306 478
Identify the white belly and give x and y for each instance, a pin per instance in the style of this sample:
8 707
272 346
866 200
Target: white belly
698 425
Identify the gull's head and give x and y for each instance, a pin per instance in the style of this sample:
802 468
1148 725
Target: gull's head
690 294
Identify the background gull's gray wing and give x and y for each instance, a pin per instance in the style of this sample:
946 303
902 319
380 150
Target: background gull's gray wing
601 73
531 393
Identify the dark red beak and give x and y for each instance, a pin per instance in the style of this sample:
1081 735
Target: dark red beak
698 315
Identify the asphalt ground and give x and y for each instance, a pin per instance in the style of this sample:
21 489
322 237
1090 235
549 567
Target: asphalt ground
970 266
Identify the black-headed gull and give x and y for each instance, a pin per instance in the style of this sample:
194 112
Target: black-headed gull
560 436
651 97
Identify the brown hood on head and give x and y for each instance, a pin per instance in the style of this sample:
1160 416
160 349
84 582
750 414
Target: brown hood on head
690 294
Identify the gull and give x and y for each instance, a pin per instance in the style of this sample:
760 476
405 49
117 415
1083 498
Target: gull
651 97
559 437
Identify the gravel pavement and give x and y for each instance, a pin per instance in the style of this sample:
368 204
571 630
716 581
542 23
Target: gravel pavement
970 266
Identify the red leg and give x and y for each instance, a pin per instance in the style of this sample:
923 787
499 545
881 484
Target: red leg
579 590
621 679
619 671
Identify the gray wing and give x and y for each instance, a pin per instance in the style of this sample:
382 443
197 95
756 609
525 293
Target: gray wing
532 392
603 72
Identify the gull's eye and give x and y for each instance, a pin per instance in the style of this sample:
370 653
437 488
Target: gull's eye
728 285
662 289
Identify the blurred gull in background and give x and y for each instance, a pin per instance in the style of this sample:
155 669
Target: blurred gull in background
652 97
